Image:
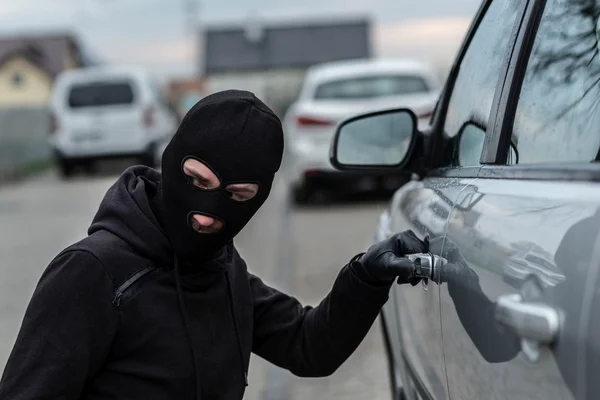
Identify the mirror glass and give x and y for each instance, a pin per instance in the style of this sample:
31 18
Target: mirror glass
376 140
471 143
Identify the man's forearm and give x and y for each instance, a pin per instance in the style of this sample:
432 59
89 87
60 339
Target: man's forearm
344 318
333 330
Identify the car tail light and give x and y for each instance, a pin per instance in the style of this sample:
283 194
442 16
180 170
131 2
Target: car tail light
148 117
53 129
308 121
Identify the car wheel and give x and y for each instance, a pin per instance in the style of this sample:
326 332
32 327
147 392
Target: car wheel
397 392
66 168
90 168
148 159
300 194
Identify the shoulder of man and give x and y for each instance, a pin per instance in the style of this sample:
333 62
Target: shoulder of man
80 261
107 253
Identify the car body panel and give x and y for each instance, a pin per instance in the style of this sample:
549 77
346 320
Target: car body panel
529 233
415 310
511 220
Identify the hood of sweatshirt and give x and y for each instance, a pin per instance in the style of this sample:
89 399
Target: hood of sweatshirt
126 211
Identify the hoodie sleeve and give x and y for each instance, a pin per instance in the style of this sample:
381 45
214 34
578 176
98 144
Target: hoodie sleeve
314 341
66 332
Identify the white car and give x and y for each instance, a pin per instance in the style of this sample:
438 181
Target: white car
334 91
108 112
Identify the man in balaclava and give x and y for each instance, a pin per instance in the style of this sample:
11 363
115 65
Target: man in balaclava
156 303
241 143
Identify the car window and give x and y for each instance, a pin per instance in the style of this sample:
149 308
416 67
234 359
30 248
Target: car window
473 93
370 87
100 94
558 113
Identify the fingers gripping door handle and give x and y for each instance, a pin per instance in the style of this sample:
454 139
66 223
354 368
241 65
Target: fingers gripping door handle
427 266
535 323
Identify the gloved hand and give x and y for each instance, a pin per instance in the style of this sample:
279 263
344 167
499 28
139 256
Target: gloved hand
456 273
384 261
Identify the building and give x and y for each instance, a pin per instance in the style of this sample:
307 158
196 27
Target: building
29 64
184 93
271 60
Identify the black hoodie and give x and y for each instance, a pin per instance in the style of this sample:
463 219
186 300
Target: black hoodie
105 321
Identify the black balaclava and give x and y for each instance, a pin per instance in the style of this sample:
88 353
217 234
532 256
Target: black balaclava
241 140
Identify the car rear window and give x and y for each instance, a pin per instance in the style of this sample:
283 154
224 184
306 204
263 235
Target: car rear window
99 94
370 87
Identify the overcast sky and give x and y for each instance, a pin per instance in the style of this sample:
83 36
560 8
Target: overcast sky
153 33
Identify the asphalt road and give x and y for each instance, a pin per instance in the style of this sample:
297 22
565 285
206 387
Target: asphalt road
299 250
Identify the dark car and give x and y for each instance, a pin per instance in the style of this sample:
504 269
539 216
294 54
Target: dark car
508 169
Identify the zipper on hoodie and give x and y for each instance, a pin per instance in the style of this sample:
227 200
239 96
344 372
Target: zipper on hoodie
128 284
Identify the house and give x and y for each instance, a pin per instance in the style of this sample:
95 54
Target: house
29 64
271 60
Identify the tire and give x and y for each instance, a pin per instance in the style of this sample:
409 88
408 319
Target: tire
90 168
66 168
148 160
300 195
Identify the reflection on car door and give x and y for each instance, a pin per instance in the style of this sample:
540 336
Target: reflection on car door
529 242
423 206
514 219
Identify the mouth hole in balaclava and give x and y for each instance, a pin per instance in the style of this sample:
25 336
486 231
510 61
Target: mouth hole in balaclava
202 177
204 223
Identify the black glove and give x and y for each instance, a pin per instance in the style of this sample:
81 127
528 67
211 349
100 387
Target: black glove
384 261
456 273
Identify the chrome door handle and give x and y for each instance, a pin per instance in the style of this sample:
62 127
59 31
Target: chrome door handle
534 323
428 266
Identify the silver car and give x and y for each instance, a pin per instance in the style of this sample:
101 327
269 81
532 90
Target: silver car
506 187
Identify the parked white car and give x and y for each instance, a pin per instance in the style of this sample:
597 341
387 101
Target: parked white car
108 112
334 91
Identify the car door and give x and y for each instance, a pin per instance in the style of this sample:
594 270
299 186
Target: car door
419 206
516 294
425 205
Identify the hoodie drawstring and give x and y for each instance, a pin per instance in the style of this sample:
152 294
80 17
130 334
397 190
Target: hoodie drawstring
236 327
188 335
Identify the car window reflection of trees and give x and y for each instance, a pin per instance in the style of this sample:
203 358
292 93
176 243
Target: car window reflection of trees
558 112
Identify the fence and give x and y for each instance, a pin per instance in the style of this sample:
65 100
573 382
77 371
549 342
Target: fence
23 141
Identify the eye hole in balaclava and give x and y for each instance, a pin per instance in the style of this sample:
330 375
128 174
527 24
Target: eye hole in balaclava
236 137
202 177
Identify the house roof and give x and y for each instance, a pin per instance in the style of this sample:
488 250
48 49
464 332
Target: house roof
46 51
296 45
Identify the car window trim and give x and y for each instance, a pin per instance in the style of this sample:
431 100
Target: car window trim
437 129
497 144
436 137
497 151
576 172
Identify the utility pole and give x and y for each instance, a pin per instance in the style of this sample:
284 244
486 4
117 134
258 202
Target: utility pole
192 25
191 9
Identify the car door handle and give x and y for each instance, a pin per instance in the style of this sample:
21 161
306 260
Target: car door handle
528 320
534 323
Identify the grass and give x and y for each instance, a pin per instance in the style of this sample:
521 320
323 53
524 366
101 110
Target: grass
36 167
27 169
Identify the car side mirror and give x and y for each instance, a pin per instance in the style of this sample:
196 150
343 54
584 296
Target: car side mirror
379 140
